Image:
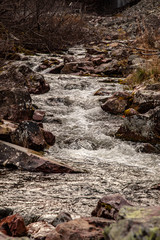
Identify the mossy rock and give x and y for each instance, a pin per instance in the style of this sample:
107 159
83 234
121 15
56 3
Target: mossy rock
135 223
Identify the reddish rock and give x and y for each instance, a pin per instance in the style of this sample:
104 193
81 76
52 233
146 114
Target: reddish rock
13 226
81 229
15 104
40 230
22 77
29 135
16 157
117 103
49 137
108 207
38 115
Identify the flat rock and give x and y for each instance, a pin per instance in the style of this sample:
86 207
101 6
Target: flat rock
16 157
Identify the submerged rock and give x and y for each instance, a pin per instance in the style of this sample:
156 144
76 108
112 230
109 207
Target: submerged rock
16 157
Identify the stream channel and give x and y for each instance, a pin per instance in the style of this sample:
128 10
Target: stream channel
84 140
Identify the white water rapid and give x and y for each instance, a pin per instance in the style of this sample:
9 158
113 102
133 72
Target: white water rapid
84 140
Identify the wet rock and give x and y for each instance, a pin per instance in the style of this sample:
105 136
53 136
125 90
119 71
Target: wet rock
142 127
49 137
19 102
117 103
61 218
38 115
136 223
57 69
156 187
16 157
109 206
28 134
13 226
102 92
40 230
148 148
4 212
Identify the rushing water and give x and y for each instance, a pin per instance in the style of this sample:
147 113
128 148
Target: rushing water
84 139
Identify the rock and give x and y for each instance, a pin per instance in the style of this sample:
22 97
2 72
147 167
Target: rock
146 98
61 218
57 69
4 212
16 157
109 69
6 129
135 223
102 92
19 102
49 137
141 128
28 134
40 230
3 237
148 148
130 112
83 228
38 115
117 103
13 226
21 77
108 207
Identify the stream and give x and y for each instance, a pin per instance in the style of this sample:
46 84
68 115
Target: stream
84 140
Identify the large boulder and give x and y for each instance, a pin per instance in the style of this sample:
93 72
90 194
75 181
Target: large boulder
135 223
109 206
15 104
16 157
28 134
21 76
142 127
